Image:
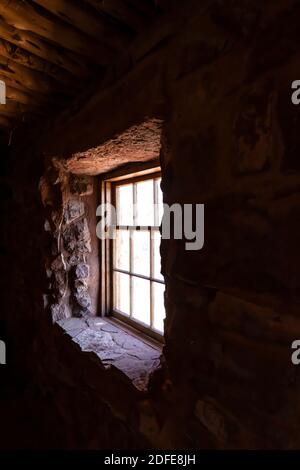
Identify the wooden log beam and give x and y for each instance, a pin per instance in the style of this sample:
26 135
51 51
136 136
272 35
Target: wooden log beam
51 106
16 92
33 44
22 57
30 79
22 97
16 95
17 85
90 24
121 11
24 16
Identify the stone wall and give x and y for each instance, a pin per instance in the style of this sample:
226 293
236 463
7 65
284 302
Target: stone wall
72 267
231 142
233 307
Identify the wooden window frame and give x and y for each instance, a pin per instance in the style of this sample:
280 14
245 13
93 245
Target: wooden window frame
108 194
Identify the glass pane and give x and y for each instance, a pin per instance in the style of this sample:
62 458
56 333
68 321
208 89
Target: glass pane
141 300
145 203
141 252
121 253
124 203
159 201
122 292
157 258
158 306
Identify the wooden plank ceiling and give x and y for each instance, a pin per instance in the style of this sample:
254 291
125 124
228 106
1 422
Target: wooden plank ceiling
49 49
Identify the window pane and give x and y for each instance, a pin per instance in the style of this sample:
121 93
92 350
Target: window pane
122 292
141 252
158 306
141 300
145 203
124 202
159 201
121 255
157 259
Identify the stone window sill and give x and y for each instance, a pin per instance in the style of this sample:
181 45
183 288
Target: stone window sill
116 346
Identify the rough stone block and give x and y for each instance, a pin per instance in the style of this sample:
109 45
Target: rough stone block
81 185
74 210
77 237
47 226
80 285
83 299
57 264
82 271
59 312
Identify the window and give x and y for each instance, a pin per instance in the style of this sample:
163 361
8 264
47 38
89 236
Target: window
136 284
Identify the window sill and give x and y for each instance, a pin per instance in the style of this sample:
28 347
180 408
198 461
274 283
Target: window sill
117 346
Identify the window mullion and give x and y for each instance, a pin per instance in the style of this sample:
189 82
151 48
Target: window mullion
134 195
131 248
155 202
131 269
151 276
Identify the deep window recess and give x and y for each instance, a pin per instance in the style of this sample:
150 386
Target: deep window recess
137 286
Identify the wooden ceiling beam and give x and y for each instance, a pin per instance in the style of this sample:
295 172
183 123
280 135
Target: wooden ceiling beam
33 44
121 11
33 101
22 97
22 57
24 16
90 24
19 93
13 82
30 79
